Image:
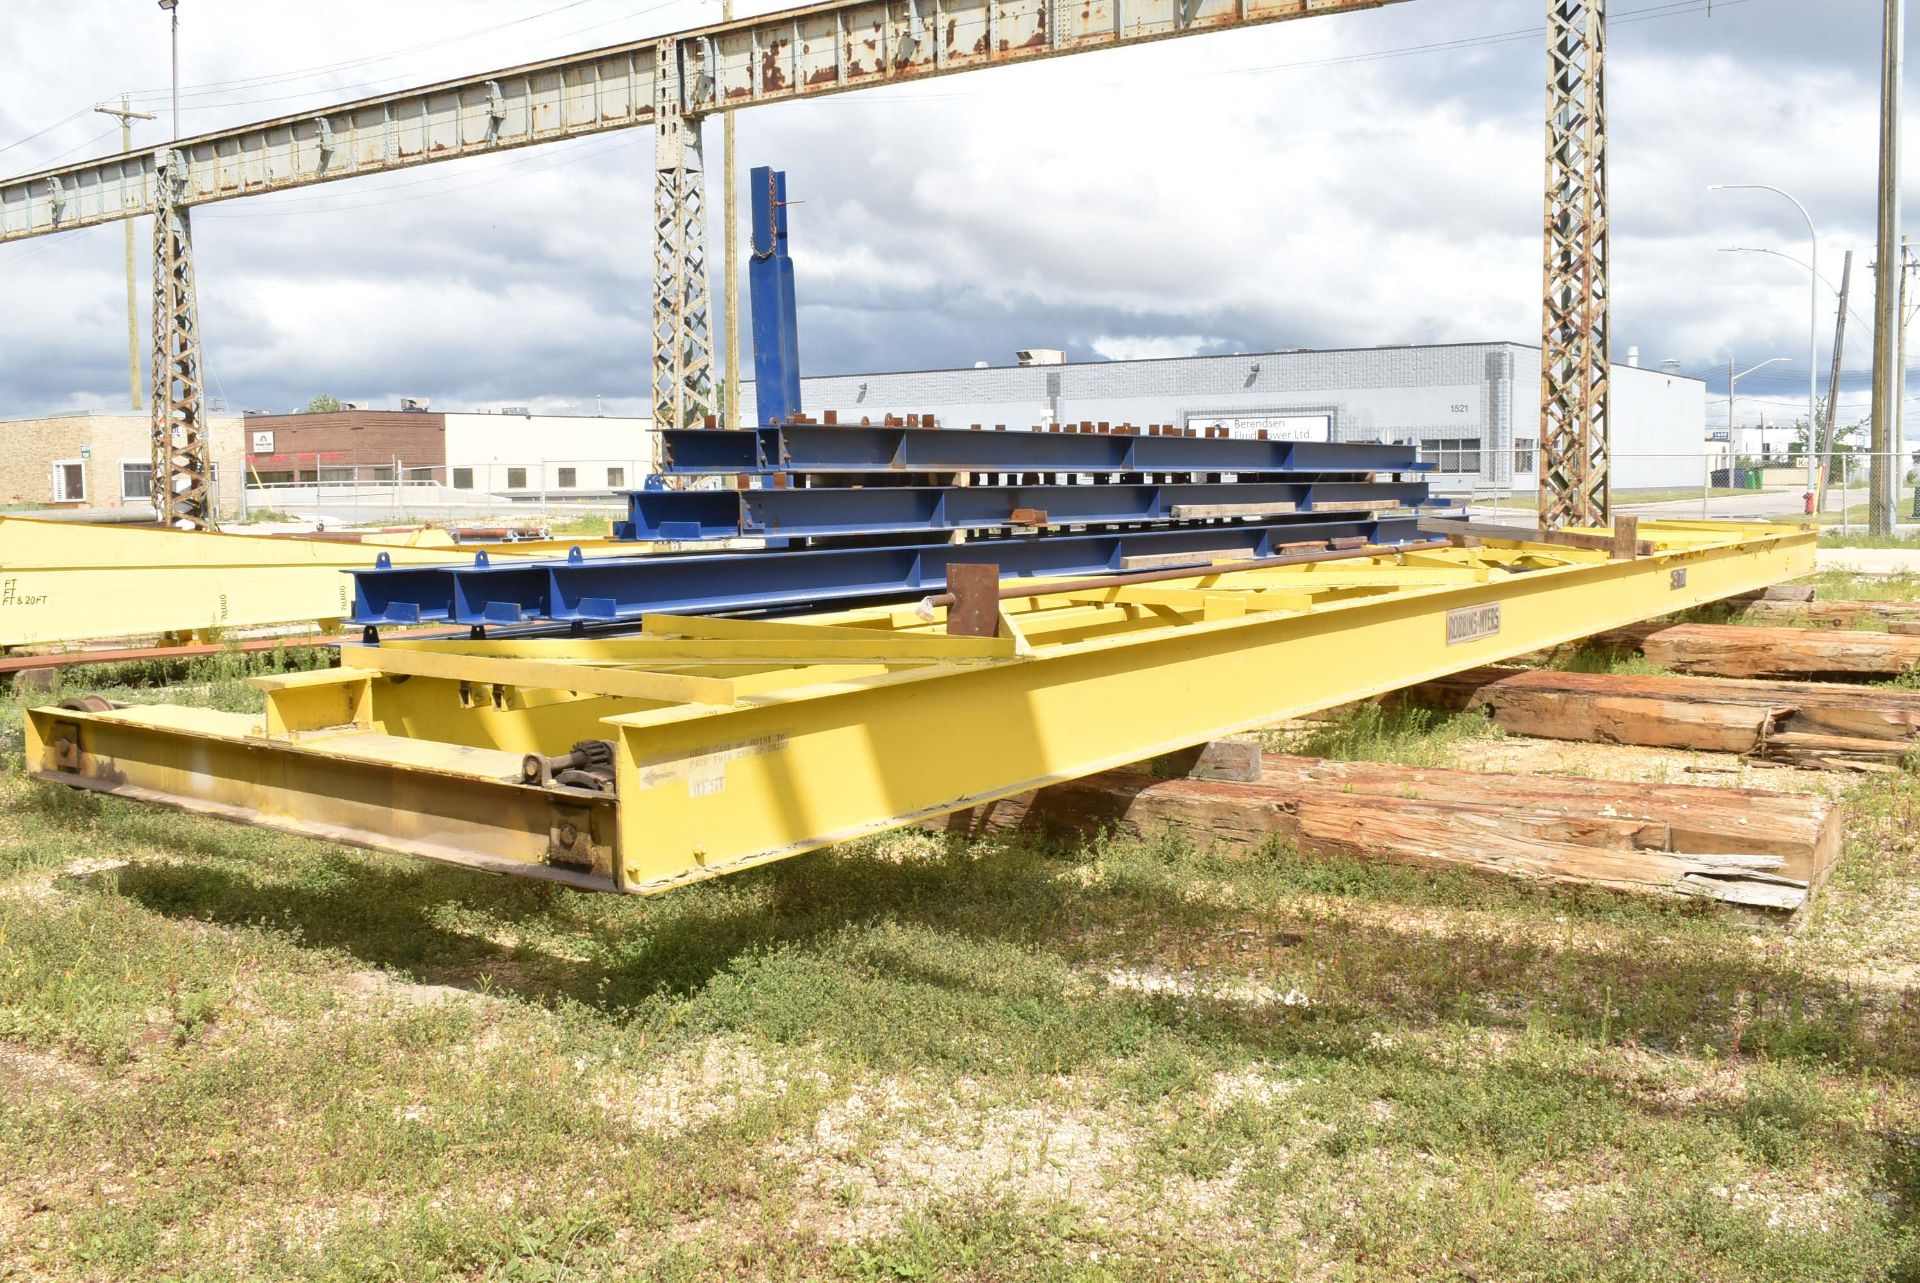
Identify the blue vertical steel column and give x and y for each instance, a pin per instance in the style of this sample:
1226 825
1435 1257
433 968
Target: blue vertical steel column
776 338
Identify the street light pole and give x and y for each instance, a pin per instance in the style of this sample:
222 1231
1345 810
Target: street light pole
1813 321
173 11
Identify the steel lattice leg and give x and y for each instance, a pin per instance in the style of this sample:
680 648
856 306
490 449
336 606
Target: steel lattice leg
181 492
1576 356
682 318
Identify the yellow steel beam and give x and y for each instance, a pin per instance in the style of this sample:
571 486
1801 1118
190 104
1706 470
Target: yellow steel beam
817 754
585 679
846 645
63 581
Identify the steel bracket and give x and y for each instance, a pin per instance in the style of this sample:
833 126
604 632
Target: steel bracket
496 110
572 842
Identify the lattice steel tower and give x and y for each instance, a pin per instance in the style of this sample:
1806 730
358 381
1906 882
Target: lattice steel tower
181 493
1575 414
683 382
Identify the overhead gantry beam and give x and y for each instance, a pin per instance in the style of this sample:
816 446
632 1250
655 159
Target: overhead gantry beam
793 54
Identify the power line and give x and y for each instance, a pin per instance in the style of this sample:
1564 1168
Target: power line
305 73
47 130
407 77
218 88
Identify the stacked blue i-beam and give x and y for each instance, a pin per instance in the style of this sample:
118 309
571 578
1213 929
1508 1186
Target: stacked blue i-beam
852 513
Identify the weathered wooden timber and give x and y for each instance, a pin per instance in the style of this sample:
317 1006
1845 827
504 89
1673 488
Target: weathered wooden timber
1824 725
1827 614
1738 846
1737 650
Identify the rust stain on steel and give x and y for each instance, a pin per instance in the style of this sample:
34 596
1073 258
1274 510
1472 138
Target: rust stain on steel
821 77
770 73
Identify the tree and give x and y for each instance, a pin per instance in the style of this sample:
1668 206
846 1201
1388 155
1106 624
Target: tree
1846 439
323 404
1843 449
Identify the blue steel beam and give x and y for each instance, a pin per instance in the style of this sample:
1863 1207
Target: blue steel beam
830 511
811 447
612 589
776 331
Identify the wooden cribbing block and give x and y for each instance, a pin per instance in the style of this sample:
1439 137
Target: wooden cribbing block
1815 724
1829 614
1737 650
1622 542
1199 511
1736 846
1201 558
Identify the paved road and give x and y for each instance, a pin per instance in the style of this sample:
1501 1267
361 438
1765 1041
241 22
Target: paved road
1755 503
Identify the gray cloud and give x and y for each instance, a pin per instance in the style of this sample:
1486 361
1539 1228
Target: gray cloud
1276 188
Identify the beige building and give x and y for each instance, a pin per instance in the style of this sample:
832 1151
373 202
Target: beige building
101 459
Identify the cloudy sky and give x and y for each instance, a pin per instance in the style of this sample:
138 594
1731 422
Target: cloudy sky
1340 181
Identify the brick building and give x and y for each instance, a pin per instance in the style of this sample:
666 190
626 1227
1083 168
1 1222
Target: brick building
516 455
98 459
346 446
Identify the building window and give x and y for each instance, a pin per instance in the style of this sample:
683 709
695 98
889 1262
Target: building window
1452 454
516 478
337 476
566 478
463 478
136 480
384 473
1523 448
616 477
69 481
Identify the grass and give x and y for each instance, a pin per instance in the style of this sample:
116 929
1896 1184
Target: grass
582 524
1591 658
1406 734
232 1054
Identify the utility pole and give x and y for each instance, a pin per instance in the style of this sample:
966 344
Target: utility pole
1833 384
1887 359
730 380
127 116
1907 266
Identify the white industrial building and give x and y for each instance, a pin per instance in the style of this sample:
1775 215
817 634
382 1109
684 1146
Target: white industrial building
1473 407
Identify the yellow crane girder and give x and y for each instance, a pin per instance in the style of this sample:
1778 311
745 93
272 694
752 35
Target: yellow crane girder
726 743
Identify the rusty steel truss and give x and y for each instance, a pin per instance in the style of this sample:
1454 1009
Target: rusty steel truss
1575 355
182 482
682 318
